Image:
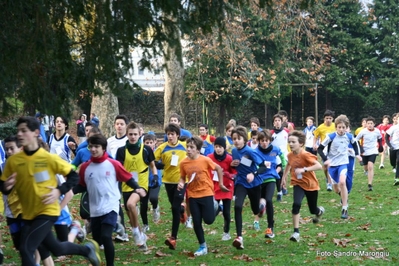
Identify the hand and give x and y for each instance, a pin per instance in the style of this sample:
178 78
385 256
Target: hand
10 182
250 177
51 197
180 186
283 182
141 191
359 158
223 188
315 147
72 145
235 163
155 182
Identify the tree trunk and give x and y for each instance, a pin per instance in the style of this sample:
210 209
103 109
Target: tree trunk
221 121
106 108
397 98
174 77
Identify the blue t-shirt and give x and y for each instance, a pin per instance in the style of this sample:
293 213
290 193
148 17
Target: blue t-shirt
271 157
243 170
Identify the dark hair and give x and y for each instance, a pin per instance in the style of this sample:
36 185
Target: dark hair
241 131
12 138
31 122
329 113
123 117
89 124
172 128
254 120
299 134
370 118
183 138
386 116
394 114
174 115
133 125
309 117
98 139
264 134
254 133
198 142
277 116
364 119
149 137
203 125
64 120
283 113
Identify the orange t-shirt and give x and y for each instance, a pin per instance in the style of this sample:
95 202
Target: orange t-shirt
309 181
196 171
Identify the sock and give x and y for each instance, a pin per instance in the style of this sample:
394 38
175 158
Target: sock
345 208
280 193
136 230
296 230
203 245
74 230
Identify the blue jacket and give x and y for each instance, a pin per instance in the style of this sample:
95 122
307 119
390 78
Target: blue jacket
243 170
271 157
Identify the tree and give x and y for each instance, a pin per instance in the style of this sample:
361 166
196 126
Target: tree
384 23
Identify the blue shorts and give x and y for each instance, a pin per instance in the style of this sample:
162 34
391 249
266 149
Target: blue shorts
336 171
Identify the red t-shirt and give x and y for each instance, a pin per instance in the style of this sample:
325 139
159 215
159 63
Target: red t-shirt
228 181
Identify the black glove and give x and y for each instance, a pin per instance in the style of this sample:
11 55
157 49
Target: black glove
380 149
155 182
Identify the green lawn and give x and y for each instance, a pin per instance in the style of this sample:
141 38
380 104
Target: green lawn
368 237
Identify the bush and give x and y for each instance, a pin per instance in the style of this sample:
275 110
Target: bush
8 129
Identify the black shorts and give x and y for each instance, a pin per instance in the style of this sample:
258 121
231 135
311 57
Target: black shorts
369 158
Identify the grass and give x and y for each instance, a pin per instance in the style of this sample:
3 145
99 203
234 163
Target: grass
368 237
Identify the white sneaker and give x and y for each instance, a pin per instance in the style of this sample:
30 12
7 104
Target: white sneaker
394 170
189 223
146 228
138 239
201 251
119 229
123 238
143 247
238 243
156 215
381 166
329 187
226 237
81 235
295 237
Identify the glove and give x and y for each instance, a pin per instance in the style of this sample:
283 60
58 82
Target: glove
155 182
380 149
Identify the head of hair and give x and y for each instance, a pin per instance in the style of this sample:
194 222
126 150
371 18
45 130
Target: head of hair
98 139
240 131
133 125
197 141
95 130
31 122
172 128
233 122
264 135
174 115
12 138
254 133
283 113
123 117
394 115
277 116
93 114
254 120
149 137
364 119
309 118
89 124
329 113
299 134
386 116
183 138
342 119
369 118
228 126
65 121
203 125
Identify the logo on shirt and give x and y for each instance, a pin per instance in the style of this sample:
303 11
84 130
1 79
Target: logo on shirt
107 173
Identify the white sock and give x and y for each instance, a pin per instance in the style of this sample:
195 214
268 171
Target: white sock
345 207
135 230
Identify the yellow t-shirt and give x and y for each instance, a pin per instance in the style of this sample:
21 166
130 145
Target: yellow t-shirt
136 165
34 174
171 156
322 131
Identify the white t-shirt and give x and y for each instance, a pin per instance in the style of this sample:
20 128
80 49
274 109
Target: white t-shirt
394 133
113 144
339 152
370 140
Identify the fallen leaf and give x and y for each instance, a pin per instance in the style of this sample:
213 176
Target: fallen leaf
160 254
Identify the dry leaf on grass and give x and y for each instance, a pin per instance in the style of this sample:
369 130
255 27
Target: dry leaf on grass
243 257
160 254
